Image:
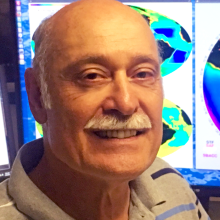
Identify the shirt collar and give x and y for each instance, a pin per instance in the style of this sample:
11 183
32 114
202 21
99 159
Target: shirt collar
145 195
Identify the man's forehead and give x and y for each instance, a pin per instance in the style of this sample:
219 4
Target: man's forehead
89 12
83 27
107 54
86 28
93 7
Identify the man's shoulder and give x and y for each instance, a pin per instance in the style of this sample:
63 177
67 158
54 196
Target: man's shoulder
5 199
159 164
170 186
8 210
161 168
164 174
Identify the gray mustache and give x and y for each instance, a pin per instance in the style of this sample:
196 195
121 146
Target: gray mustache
111 122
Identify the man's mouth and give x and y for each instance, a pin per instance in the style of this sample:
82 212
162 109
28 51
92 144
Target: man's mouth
120 134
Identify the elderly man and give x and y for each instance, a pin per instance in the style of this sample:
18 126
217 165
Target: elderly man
96 88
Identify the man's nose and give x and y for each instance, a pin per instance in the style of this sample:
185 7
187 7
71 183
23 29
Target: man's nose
123 98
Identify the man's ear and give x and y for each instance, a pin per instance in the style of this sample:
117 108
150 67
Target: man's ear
34 97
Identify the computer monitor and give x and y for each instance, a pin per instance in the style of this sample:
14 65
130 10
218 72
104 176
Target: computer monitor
187 143
7 144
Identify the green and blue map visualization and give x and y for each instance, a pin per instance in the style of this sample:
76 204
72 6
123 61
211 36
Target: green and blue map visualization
177 128
211 84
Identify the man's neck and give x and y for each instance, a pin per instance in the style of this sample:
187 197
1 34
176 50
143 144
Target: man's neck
80 196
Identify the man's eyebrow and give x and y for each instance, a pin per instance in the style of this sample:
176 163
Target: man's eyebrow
107 62
77 63
138 59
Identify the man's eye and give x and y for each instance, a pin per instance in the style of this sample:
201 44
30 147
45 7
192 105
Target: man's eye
92 76
143 75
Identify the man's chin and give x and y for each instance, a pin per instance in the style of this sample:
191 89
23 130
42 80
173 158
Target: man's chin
119 171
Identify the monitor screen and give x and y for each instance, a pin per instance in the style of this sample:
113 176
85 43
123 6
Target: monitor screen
190 132
4 155
207 82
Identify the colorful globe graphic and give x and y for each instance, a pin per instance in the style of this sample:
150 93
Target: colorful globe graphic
211 85
174 42
177 128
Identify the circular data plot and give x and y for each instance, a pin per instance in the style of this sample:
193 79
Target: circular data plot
177 129
211 85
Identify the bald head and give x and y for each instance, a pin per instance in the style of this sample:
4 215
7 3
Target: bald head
79 25
91 10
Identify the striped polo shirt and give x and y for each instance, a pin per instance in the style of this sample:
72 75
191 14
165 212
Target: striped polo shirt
157 194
